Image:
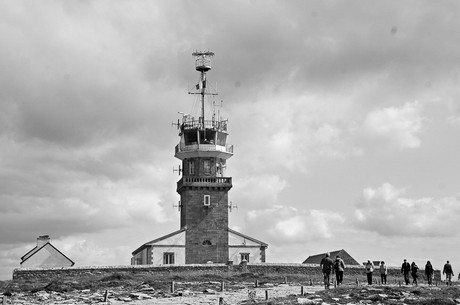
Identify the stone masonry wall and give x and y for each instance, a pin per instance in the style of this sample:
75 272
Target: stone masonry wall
313 270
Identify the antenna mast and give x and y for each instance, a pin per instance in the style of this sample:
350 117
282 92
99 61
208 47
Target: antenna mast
202 65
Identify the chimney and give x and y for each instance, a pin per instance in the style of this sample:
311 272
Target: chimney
42 240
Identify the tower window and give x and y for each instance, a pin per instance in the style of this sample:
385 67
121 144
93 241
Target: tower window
245 256
207 167
168 258
191 168
207 200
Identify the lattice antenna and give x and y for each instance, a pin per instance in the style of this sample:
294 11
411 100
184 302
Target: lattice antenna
232 206
178 170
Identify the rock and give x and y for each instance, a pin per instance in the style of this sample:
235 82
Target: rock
306 301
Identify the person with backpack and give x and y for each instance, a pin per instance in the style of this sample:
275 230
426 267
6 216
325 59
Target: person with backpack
429 271
414 271
383 272
326 266
339 267
405 269
447 270
369 271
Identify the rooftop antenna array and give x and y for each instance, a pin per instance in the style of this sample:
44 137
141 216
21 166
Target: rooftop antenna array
203 61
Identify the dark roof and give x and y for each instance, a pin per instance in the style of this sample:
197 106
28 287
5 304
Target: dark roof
36 249
316 259
247 237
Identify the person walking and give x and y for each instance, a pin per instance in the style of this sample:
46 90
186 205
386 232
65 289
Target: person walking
414 271
447 270
429 273
326 266
369 270
383 273
405 269
339 267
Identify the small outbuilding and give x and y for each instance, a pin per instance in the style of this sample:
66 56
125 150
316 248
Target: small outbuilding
347 258
45 255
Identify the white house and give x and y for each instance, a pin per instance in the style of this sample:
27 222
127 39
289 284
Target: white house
170 249
45 255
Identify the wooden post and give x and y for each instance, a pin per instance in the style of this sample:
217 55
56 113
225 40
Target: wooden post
357 282
285 279
106 295
172 286
4 300
311 283
257 283
222 286
335 284
221 301
301 290
266 294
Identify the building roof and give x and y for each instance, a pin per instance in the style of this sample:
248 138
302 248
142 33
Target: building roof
347 258
152 242
36 249
262 244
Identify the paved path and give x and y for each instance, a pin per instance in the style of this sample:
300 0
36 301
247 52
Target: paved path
232 297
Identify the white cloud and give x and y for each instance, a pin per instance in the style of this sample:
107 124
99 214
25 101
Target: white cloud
385 211
290 225
397 126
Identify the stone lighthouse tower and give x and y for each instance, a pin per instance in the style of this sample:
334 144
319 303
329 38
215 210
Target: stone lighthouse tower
204 235
203 188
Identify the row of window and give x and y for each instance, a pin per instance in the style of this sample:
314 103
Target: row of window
206 168
168 257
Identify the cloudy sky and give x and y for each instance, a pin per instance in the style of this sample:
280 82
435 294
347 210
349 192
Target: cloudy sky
344 116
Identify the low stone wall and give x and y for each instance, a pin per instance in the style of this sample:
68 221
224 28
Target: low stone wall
309 270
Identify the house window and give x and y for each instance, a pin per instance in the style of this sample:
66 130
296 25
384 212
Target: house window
207 167
207 242
207 200
245 256
168 258
191 168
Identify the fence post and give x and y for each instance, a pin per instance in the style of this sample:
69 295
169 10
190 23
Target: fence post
266 294
301 290
106 295
4 299
311 283
256 283
222 286
285 279
172 286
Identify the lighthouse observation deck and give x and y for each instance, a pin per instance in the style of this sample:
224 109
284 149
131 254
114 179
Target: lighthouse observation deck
203 139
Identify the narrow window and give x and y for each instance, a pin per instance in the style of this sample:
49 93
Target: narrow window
245 256
207 167
191 168
168 258
207 200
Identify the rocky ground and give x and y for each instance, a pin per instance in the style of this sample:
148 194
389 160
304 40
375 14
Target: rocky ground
238 293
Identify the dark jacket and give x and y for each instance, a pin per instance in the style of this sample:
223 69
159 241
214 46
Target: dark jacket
326 264
428 269
405 268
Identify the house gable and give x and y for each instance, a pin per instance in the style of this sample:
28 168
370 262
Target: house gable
46 256
237 239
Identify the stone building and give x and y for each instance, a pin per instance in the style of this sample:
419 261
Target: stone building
204 235
45 255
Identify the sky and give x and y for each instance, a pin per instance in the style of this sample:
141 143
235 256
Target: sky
344 116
